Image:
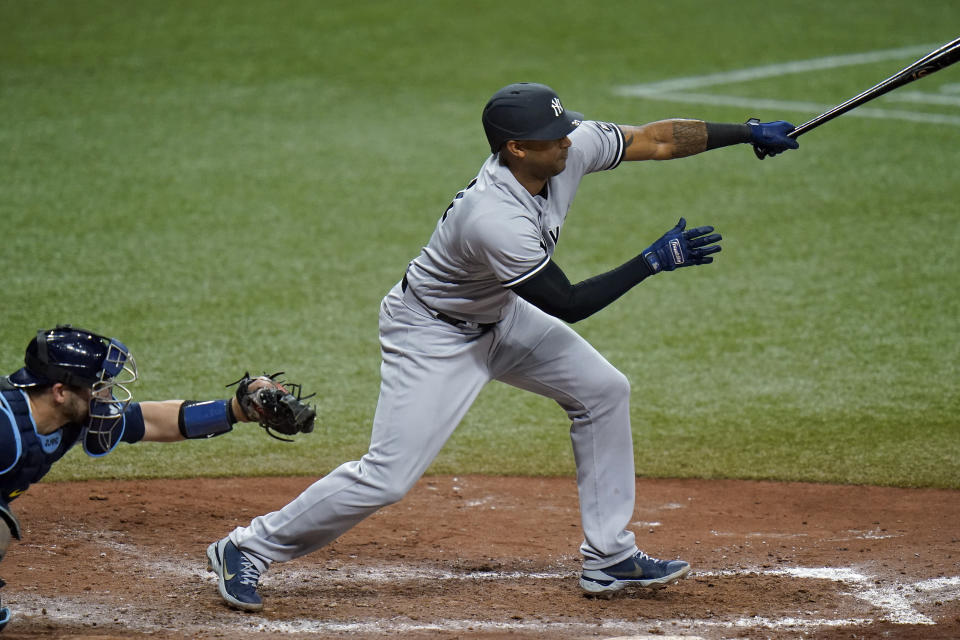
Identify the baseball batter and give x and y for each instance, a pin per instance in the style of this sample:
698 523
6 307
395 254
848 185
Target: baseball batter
485 301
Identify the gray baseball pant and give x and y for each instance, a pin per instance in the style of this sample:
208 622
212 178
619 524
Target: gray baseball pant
431 373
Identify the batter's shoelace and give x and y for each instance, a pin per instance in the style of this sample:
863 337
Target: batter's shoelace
248 573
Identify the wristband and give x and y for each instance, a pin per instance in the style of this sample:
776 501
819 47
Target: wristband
724 135
205 419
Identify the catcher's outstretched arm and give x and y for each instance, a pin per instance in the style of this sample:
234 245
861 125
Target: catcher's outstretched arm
262 400
161 419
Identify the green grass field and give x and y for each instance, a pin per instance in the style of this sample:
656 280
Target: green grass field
233 186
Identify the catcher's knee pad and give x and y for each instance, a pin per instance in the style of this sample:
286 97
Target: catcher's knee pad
12 523
4 541
9 529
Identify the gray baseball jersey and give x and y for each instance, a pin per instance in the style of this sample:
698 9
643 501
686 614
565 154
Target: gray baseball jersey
494 235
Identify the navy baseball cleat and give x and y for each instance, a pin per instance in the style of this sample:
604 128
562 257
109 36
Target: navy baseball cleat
639 570
237 575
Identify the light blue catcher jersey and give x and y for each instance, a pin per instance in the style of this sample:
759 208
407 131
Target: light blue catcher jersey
26 455
496 235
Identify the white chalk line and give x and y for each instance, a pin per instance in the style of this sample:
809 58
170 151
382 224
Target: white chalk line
780 69
681 89
921 97
806 107
896 601
75 611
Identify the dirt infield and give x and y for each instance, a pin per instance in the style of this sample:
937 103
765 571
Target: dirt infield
477 557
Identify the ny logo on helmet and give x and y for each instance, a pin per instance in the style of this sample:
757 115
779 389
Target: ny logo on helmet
557 107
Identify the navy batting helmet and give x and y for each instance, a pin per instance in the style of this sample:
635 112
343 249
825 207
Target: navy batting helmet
526 111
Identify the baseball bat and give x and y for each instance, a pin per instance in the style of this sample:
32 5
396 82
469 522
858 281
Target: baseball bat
932 62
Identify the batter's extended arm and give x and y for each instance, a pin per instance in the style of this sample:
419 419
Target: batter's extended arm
664 139
678 138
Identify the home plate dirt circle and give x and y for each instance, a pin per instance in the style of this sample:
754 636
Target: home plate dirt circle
480 557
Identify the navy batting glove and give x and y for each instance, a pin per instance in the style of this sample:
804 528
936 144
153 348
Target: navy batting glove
770 138
678 248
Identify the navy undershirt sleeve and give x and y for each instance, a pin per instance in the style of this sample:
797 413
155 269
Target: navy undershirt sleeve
551 291
134 428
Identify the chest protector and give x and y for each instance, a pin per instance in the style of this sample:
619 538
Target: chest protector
34 462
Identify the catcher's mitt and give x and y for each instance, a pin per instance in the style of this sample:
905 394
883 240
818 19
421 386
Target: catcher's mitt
274 406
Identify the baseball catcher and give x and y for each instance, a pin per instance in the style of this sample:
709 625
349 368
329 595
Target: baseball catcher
74 388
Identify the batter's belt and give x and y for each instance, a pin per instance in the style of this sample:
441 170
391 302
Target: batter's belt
411 297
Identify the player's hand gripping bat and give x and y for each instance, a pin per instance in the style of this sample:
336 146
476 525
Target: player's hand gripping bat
930 63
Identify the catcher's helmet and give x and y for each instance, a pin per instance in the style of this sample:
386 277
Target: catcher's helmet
72 356
526 111
82 358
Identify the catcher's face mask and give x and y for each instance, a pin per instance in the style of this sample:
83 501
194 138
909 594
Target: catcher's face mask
110 397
